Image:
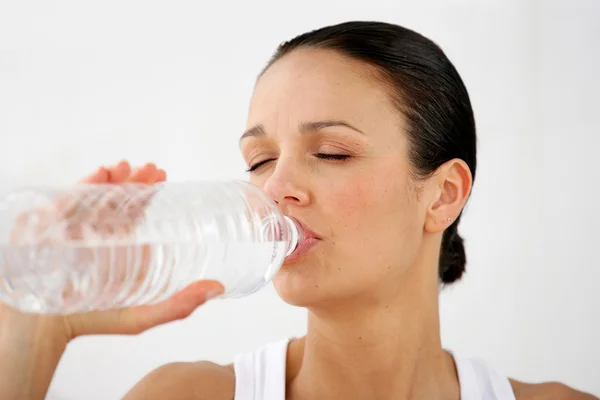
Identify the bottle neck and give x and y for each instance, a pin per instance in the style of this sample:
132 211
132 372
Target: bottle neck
295 234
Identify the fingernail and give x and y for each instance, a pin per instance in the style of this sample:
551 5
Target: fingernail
212 294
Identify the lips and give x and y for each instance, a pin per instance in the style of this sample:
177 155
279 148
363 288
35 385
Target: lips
308 242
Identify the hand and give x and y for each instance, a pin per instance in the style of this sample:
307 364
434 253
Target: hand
129 320
31 345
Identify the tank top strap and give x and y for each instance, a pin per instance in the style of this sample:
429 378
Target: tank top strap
260 375
480 382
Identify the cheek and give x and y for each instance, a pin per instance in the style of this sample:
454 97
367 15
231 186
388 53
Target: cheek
374 218
367 198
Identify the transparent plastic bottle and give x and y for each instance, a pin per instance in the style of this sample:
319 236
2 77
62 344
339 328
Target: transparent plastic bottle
100 246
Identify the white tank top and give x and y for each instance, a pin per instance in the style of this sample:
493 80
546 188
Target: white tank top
260 375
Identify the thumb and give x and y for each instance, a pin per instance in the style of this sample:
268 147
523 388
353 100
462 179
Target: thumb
135 320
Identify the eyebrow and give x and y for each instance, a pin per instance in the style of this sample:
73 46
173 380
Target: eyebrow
259 131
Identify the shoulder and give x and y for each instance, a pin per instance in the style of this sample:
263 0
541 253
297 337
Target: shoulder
547 391
186 380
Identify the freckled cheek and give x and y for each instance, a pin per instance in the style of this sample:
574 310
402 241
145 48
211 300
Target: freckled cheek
370 220
353 202
368 207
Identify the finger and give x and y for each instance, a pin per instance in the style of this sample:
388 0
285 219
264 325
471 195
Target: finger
120 172
159 176
147 175
144 174
134 320
66 204
101 175
135 205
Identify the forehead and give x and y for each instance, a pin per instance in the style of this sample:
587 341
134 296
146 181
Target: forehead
314 84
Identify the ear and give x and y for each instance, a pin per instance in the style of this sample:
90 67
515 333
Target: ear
452 186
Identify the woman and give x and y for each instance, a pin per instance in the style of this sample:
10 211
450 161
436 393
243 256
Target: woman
364 132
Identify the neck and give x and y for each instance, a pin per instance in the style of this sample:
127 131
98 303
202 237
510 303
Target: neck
386 348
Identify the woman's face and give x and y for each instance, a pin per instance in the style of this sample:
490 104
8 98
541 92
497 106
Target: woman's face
333 154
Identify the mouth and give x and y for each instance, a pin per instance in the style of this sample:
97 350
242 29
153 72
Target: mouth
309 240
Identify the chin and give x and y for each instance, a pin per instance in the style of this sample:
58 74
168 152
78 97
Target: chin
306 287
298 286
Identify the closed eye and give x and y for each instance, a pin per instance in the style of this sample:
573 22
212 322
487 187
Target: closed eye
259 164
322 156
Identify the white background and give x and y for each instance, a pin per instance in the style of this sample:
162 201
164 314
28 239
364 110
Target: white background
89 83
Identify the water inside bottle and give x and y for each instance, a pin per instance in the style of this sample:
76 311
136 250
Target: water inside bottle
59 278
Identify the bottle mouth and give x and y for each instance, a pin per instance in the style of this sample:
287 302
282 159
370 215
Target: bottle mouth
295 234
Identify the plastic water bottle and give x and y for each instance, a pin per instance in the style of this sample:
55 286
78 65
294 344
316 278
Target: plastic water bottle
100 246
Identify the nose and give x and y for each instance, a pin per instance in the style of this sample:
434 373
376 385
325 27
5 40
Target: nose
285 187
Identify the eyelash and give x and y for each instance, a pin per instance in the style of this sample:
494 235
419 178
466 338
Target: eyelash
322 156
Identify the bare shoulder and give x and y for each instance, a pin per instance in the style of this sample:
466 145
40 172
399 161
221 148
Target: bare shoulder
186 381
547 391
